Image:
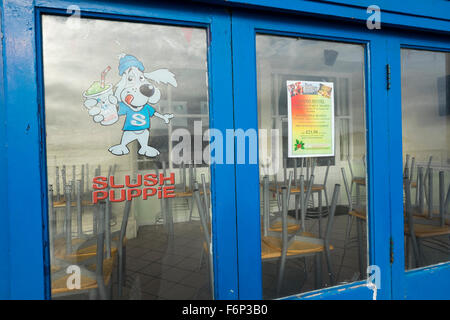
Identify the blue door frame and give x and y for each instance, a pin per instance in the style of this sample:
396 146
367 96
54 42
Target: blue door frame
245 25
28 237
384 161
232 68
431 282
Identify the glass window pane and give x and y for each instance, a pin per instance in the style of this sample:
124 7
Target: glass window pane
321 85
426 155
110 90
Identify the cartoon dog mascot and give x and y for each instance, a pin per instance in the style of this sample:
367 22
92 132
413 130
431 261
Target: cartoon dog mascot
134 94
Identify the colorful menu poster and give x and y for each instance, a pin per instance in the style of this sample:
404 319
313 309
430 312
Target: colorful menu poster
310 118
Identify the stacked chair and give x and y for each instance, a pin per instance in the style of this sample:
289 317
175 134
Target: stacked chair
424 226
83 249
203 205
355 212
288 242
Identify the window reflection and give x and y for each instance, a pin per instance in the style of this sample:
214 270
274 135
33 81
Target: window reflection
426 155
317 211
155 248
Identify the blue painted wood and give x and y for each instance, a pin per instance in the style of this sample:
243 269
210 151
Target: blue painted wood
247 175
23 153
355 291
245 25
377 142
4 218
396 169
433 8
223 185
415 14
430 283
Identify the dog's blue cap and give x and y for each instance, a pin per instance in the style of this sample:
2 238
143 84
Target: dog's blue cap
129 61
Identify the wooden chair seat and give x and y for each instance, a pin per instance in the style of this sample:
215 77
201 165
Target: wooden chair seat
183 194
296 189
80 254
359 213
277 227
186 194
86 282
425 230
360 181
62 204
271 247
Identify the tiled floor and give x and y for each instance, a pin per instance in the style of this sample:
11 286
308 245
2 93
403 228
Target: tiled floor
157 270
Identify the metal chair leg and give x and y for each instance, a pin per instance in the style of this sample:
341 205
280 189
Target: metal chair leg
360 247
329 267
347 236
281 267
120 271
318 273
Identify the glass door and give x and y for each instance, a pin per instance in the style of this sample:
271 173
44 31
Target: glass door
310 217
420 98
137 206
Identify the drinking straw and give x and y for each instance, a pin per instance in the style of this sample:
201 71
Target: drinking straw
102 83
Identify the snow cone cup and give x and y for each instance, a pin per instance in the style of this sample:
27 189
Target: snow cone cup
100 102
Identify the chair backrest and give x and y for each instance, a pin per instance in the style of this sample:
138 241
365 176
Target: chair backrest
420 188
284 223
82 180
191 177
330 222
430 192
200 197
100 254
52 222
406 168
442 200
57 183
87 179
411 174
183 175
347 190
447 203
63 177
266 205
68 218
350 167
326 173
203 210
206 199
123 226
409 217
202 213
78 196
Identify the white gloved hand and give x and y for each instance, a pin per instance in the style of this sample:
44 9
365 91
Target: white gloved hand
166 117
94 109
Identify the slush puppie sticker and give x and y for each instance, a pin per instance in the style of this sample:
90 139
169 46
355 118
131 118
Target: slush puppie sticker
132 97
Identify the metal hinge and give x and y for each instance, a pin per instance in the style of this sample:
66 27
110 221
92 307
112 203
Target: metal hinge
388 76
391 250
